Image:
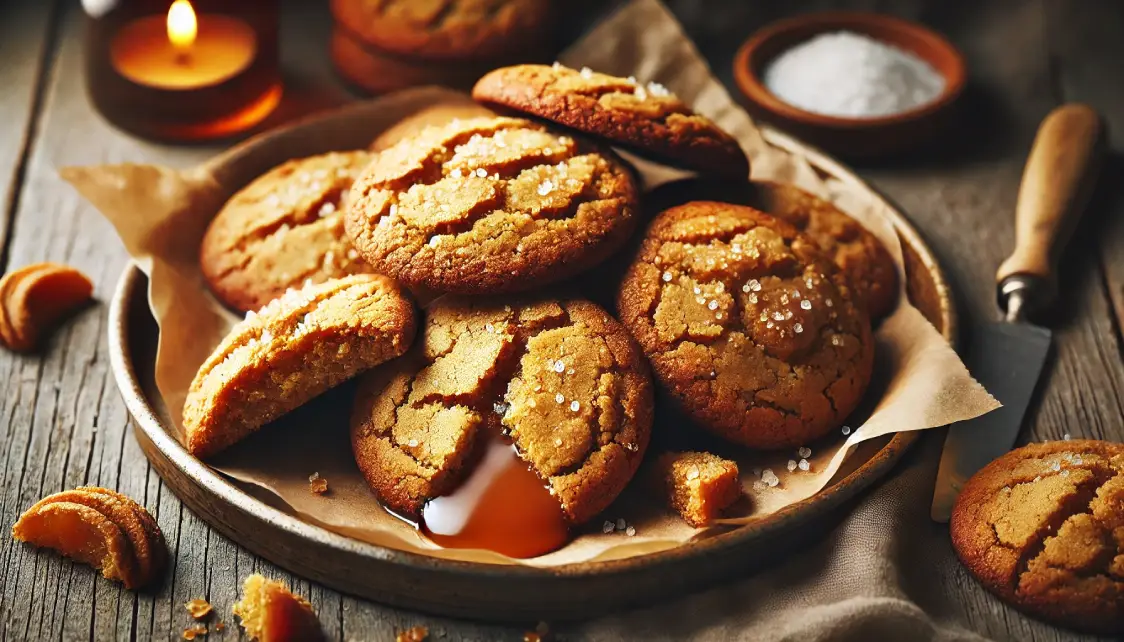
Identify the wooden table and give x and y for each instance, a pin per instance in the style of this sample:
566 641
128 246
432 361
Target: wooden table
63 424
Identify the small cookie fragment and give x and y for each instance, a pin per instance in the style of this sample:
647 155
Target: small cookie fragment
283 230
490 205
698 485
317 485
295 348
34 298
561 379
646 118
271 613
853 248
453 31
194 631
101 528
417 633
1042 527
199 608
748 326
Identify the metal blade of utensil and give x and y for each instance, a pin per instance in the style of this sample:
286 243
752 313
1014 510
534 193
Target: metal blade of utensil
1008 357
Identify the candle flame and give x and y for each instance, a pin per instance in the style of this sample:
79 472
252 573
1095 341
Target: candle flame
181 24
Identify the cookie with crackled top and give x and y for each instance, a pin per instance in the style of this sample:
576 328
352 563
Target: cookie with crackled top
490 205
447 30
856 251
283 229
562 379
1042 527
752 331
646 118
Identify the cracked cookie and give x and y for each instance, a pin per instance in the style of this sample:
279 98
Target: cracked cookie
283 229
561 380
748 326
490 205
450 30
1042 527
293 349
856 251
646 118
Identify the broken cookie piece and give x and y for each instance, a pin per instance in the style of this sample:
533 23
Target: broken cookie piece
99 527
271 613
1041 527
698 485
294 349
33 299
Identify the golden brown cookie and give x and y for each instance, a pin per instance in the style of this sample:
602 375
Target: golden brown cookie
859 253
99 527
491 205
295 348
379 73
749 327
283 229
698 485
1042 527
645 118
562 379
450 30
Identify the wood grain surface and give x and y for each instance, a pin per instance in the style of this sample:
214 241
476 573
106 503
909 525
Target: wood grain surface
62 422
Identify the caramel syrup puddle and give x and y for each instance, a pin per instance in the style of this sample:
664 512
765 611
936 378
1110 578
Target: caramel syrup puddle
502 506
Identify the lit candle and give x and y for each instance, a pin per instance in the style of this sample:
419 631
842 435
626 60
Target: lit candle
182 51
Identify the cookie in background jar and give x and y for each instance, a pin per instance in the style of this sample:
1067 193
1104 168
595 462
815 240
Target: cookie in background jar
752 331
283 229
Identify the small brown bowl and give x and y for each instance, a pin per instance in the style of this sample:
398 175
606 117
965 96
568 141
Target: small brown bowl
852 137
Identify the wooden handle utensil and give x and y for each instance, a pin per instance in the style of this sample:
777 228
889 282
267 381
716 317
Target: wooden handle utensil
1057 182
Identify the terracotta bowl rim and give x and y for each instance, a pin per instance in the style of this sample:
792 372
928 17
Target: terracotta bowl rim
754 89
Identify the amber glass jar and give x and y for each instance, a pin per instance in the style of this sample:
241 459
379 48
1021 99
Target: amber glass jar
185 70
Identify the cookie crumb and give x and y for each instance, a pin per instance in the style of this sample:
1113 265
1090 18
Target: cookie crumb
194 631
317 485
198 608
219 627
698 485
413 634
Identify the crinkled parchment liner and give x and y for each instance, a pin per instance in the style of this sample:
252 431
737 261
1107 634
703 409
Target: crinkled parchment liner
161 214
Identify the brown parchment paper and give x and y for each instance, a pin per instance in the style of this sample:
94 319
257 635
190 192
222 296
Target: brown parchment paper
161 215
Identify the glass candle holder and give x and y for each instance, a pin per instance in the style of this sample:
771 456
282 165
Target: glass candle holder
188 70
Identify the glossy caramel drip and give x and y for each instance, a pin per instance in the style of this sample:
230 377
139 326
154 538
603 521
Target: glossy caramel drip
502 506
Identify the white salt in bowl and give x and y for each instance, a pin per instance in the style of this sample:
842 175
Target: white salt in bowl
863 137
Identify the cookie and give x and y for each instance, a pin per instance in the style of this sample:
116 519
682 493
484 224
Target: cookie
1042 527
748 326
295 348
283 229
435 116
859 253
269 611
35 298
561 379
491 205
448 30
698 485
378 73
646 119
99 527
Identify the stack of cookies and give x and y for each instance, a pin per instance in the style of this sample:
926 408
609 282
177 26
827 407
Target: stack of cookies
746 306
384 45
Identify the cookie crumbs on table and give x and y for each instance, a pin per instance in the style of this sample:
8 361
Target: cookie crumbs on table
199 608
417 633
194 631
